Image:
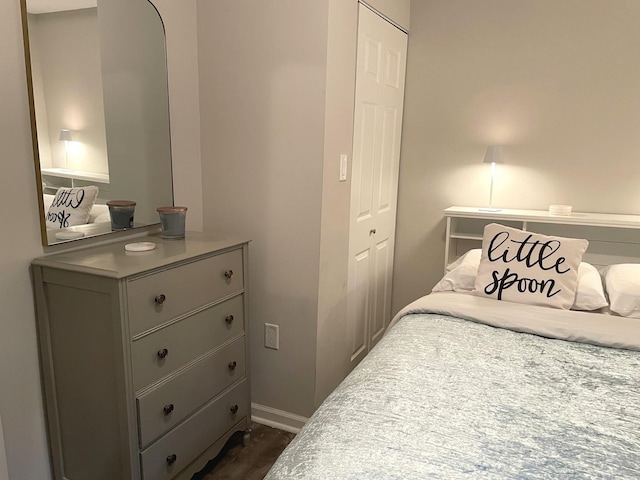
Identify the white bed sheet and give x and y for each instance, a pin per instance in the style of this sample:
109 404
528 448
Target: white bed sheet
576 326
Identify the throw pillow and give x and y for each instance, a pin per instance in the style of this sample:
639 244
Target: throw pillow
530 268
71 206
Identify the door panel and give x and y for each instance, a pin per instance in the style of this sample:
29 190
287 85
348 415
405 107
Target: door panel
359 306
388 190
373 57
394 72
381 288
364 178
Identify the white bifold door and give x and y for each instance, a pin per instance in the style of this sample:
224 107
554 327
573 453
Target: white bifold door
381 64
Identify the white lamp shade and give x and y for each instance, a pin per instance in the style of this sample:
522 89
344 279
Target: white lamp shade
495 154
66 135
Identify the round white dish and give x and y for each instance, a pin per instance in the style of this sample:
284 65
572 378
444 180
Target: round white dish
139 246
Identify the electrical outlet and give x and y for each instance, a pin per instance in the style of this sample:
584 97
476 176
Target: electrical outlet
271 336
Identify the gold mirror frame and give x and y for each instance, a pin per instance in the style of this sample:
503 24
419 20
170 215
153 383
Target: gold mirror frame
153 171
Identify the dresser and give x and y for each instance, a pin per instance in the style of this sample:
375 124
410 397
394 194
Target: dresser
144 355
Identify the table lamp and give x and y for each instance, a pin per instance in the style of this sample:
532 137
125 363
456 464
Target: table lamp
494 154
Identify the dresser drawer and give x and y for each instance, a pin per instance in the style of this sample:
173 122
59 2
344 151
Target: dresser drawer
160 353
157 298
169 403
196 434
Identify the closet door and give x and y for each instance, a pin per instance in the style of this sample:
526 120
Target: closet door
381 62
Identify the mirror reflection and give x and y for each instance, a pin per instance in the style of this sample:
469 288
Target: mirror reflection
98 91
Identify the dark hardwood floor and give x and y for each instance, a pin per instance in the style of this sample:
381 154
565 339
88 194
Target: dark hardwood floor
252 462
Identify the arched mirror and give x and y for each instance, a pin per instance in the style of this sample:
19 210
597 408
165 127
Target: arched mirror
97 80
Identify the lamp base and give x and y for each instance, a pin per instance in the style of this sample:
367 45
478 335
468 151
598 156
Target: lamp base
489 209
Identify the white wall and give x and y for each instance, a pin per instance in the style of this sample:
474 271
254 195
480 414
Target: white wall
134 79
20 395
39 99
556 82
262 81
66 50
180 23
333 349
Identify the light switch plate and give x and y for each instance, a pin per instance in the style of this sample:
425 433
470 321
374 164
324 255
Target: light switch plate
343 168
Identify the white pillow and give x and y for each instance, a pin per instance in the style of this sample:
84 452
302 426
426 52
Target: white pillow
590 294
623 287
461 274
71 206
530 268
461 277
99 210
47 200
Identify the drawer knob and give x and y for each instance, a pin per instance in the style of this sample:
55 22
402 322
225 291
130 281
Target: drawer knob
232 365
228 319
168 409
228 274
171 459
160 299
163 353
234 409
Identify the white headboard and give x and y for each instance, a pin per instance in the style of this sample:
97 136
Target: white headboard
612 238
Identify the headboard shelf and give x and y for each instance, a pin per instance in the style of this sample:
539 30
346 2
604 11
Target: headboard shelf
75 174
543 216
613 238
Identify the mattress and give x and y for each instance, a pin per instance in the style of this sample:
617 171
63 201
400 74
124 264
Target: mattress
465 387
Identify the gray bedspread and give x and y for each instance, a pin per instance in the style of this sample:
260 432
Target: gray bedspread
443 397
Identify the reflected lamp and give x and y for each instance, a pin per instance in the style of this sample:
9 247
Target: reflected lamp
66 136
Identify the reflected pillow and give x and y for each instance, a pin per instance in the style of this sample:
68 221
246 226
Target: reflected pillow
529 268
71 206
623 287
103 218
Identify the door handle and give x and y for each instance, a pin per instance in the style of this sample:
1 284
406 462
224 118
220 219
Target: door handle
372 231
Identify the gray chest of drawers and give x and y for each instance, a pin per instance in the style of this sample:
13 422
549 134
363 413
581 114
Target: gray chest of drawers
144 356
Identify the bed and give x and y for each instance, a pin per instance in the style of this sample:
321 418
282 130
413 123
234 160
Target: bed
468 386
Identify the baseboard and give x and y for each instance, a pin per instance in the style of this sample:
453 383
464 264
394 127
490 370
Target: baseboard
272 417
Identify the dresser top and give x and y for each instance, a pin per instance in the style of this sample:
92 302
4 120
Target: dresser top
112 260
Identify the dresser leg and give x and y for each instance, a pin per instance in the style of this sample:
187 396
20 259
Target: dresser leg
246 437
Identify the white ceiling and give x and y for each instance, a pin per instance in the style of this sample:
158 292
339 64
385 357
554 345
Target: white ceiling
47 6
